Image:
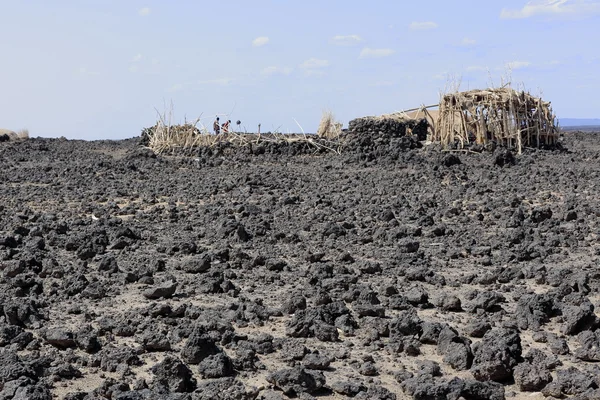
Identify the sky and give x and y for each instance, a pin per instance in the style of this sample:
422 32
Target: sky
105 69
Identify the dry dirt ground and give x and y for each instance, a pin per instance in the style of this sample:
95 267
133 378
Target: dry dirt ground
380 273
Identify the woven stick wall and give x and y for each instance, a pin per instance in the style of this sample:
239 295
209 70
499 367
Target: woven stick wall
501 115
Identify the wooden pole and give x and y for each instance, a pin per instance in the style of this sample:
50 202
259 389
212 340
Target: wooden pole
419 108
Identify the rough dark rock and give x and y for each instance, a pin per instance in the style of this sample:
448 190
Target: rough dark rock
196 264
578 318
534 310
226 388
531 377
347 388
496 356
455 349
570 381
163 291
317 322
198 347
486 301
294 303
589 349
216 366
478 328
60 338
174 376
154 341
449 303
376 393
297 381
407 323
316 361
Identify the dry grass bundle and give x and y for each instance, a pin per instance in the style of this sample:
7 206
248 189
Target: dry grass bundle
23 134
501 115
20 135
328 127
166 136
163 141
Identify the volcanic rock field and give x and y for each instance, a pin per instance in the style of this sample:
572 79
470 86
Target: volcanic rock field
390 271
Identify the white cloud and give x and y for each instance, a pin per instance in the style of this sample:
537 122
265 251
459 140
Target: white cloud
476 68
138 57
275 70
217 82
84 71
144 11
314 72
347 40
514 65
314 67
469 42
260 41
176 88
194 85
552 8
384 84
421 26
314 63
367 52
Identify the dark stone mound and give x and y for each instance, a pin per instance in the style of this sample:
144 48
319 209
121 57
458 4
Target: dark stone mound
505 158
496 356
380 126
532 377
450 160
372 138
297 381
319 322
173 376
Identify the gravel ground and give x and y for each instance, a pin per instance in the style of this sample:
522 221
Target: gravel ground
391 271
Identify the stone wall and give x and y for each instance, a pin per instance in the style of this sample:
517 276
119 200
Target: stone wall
389 127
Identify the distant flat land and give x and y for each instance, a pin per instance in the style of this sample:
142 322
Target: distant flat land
580 124
582 128
569 122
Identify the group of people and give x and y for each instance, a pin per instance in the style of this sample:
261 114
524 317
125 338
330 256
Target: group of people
218 128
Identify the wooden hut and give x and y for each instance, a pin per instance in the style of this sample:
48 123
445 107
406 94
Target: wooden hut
501 115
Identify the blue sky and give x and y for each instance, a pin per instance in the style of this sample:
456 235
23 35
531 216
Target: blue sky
94 69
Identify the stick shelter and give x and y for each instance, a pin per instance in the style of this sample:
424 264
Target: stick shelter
501 115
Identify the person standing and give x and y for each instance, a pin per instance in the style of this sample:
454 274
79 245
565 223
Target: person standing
217 126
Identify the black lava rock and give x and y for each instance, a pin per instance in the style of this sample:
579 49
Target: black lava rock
164 291
496 356
297 381
173 376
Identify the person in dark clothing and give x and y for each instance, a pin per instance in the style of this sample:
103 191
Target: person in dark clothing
217 126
